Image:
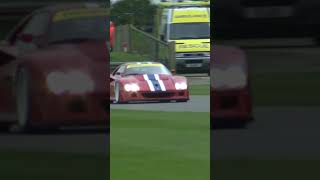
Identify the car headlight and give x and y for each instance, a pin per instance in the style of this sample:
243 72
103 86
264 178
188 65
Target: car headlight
57 83
74 82
79 82
131 87
233 77
181 86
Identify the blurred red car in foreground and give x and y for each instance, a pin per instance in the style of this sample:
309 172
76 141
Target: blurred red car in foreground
54 69
146 81
230 87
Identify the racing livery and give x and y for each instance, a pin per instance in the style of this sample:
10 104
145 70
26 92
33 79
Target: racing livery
54 67
230 87
146 81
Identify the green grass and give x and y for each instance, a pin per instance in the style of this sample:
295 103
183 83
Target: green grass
52 166
127 57
265 169
159 145
270 89
286 89
199 89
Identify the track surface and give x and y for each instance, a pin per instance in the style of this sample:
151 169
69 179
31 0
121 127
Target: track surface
195 104
279 132
79 142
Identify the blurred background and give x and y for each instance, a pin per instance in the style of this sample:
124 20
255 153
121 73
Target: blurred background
280 39
51 154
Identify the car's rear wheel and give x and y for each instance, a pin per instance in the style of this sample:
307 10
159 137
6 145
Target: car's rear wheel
22 100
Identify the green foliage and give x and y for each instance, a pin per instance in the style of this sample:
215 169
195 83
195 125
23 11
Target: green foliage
137 12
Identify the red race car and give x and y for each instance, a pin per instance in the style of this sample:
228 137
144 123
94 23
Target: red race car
146 81
230 87
54 68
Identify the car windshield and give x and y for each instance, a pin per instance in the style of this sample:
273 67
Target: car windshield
135 69
79 28
189 31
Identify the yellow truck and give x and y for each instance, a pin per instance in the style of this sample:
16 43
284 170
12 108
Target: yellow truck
187 23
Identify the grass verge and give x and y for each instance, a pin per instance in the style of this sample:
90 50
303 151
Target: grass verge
288 89
159 145
127 57
199 90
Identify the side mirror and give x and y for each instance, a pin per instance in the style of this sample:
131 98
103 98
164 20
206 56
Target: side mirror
173 71
27 38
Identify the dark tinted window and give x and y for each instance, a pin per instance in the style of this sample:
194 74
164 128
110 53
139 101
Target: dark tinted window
38 25
90 27
189 31
150 69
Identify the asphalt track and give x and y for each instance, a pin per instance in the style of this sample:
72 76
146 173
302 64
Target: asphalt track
195 104
278 133
75 142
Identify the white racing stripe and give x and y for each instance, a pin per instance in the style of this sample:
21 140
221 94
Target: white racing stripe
146 78
163 87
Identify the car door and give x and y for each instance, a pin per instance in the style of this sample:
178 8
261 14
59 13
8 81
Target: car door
114 77
16 45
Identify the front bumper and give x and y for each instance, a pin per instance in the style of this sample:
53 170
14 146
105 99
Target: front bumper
193 65
154 96
72 110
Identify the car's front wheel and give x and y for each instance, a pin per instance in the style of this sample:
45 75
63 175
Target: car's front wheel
22 90
116 93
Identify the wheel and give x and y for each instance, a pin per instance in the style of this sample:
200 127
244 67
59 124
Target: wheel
22 100
116 93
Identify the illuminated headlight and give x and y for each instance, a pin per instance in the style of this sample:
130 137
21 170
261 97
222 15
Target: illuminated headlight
80 82
233 77
181 86
131 87
74 82
57 83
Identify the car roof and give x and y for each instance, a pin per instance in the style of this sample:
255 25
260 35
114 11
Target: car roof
69 6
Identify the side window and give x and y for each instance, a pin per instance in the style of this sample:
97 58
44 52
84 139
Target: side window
36 27
121 70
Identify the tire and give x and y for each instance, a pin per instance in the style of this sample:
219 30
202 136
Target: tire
22 100
117 93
